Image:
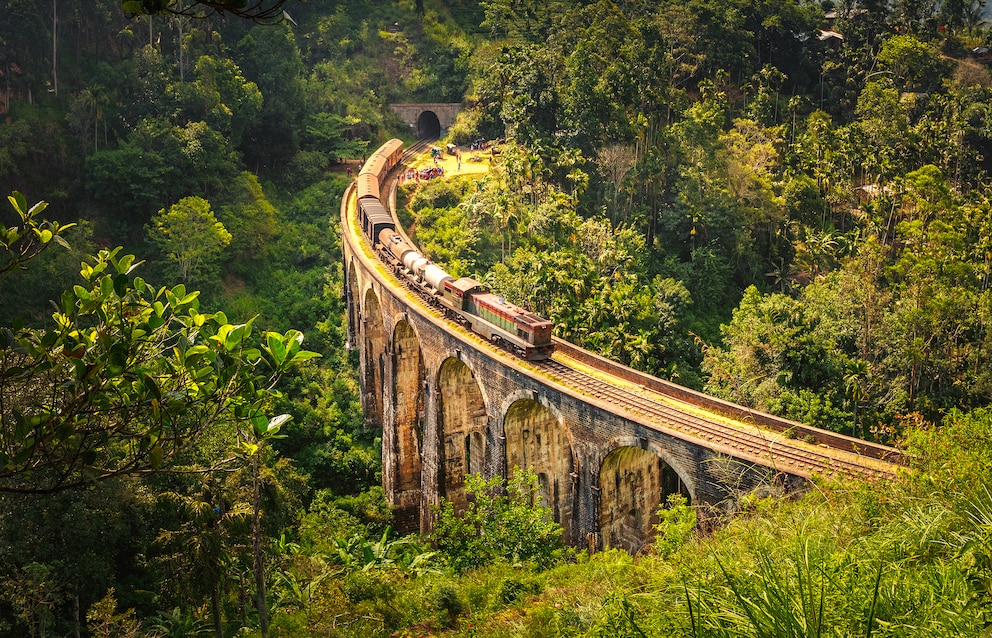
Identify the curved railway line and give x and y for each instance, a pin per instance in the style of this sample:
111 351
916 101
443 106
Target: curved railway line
771 449
774 443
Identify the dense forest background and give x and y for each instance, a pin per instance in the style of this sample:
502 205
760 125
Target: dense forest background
785 204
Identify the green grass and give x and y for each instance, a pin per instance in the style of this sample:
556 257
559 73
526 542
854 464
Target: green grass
907 557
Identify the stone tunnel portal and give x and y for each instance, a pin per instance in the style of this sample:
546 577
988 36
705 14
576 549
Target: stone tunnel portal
463 421
633 483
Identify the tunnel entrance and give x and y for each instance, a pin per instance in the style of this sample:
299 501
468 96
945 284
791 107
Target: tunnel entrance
463 421
428 126
633 483
535 439
408 432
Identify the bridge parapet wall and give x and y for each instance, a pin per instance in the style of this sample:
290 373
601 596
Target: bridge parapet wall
771 422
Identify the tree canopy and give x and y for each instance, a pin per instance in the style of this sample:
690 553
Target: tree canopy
779 203
258 10
126 378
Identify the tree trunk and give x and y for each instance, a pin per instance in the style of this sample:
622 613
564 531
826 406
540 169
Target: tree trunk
55 48
182 65
256 528
215 610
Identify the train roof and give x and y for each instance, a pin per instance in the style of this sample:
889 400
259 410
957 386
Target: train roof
392 146
465 284
498 302
368 185
391 239
374 165
374 211
532 320
382 158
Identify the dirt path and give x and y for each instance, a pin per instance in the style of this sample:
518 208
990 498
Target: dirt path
450 164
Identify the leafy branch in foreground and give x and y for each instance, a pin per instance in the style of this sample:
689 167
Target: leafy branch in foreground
23 242
128 376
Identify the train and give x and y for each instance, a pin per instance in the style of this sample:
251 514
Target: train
464 300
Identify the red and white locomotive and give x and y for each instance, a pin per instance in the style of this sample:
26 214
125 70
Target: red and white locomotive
464 300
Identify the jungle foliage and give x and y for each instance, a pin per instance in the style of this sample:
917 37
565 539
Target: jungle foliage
717 192
720 194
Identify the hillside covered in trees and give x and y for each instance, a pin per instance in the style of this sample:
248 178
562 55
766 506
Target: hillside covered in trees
785 204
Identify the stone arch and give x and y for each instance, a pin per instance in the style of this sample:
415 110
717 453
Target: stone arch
428 125
407 434
353 303
633 482
535 438
462 421
373 357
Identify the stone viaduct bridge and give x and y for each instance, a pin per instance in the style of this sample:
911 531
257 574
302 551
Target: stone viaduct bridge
607 443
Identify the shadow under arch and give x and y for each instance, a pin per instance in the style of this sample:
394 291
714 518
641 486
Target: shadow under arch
373 357
354 303
634 480
535 438
462 424
403 466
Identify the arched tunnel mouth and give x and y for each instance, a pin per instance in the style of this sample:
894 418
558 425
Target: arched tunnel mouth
428 126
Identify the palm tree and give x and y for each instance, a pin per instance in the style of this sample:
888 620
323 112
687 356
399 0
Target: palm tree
856 387
783 275
201 549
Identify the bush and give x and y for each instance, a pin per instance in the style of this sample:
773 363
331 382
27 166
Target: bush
361 586
513 589
439 193
512 528
306 168
466 127
446 600
676 525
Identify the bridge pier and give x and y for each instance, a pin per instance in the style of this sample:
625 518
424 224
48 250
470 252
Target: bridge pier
431 496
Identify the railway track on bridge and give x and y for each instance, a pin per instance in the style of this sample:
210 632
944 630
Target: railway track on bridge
724 433
769 448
